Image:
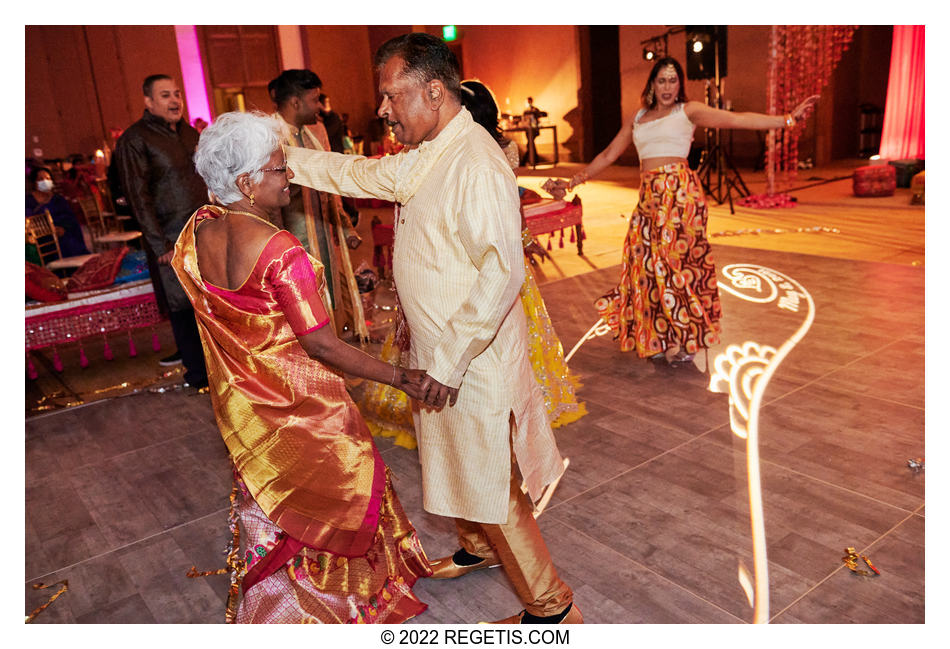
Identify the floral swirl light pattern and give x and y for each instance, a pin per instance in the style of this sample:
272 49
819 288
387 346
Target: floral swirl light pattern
744 372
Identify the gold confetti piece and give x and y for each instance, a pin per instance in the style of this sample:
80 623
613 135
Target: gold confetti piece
40 609
194 572
52 401
851 560
756 231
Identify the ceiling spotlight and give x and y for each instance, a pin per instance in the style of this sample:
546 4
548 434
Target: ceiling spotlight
648 54
697 46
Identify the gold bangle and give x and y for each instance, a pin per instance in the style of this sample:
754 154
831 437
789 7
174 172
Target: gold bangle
393 384
789 120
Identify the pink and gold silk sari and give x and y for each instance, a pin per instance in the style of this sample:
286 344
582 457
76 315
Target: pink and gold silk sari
303 453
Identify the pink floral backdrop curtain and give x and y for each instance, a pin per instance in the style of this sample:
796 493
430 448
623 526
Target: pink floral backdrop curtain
903 133
801 60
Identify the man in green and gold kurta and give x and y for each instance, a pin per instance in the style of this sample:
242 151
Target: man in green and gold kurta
313 216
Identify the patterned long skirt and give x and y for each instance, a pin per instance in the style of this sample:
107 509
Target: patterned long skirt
667 295
320 587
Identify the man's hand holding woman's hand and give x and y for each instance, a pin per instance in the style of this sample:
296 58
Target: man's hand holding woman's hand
410 382
422 387
435 394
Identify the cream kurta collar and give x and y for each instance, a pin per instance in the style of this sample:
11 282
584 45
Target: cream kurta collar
419 161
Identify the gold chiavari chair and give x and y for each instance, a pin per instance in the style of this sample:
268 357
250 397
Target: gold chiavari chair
41 232
102 226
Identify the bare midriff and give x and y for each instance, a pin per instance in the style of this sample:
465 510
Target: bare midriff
655 163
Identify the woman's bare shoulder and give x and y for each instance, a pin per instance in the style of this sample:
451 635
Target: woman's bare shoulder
255 231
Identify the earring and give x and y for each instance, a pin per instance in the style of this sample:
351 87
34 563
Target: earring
650 96
252 198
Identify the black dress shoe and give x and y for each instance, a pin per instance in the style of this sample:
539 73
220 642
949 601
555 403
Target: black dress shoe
570 615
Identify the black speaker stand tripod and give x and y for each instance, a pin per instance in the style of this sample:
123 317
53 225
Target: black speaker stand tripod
715 162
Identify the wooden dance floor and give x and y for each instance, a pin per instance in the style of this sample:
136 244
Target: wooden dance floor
650 523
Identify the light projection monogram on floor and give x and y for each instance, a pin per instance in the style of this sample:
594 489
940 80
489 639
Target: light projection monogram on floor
743 372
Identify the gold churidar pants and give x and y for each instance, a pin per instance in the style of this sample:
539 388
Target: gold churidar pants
518 546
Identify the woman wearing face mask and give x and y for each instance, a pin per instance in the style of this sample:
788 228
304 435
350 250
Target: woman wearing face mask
43 196
666 305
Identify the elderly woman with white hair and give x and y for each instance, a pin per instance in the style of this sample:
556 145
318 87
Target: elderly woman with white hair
324 536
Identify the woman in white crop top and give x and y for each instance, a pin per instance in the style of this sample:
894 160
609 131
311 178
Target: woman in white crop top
667 302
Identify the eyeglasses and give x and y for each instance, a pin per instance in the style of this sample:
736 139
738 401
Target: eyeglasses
279 170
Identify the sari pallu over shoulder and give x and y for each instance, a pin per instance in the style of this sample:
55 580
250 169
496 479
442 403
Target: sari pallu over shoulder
292 431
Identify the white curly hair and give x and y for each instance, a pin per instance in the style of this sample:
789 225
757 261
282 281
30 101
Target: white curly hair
233 144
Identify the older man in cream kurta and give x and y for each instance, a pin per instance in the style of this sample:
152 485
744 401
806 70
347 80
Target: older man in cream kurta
458 269
457 263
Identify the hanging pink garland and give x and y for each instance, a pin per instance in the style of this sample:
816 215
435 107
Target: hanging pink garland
802 59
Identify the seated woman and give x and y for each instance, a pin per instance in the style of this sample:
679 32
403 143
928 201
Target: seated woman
43 196
324 535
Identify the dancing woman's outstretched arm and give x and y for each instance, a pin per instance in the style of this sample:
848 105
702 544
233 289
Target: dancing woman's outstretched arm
708 117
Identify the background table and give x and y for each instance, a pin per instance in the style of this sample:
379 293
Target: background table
530 133
120 308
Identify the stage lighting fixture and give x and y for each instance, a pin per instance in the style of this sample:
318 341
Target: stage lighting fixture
706 51
656 47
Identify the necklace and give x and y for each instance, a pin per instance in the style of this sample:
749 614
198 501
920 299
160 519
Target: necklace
252 215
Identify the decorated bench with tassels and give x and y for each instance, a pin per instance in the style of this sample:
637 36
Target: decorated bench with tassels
91 313
552 217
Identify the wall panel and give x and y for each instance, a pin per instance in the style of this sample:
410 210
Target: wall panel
518 61
341 57
83 81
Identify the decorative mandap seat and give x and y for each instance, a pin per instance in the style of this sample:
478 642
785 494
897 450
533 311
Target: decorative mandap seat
548 216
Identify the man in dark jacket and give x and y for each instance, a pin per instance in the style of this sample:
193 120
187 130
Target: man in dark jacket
158 177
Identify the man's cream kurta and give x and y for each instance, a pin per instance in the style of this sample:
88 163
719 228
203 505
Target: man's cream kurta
457 262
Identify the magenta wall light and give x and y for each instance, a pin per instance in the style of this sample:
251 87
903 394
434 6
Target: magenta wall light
192 72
